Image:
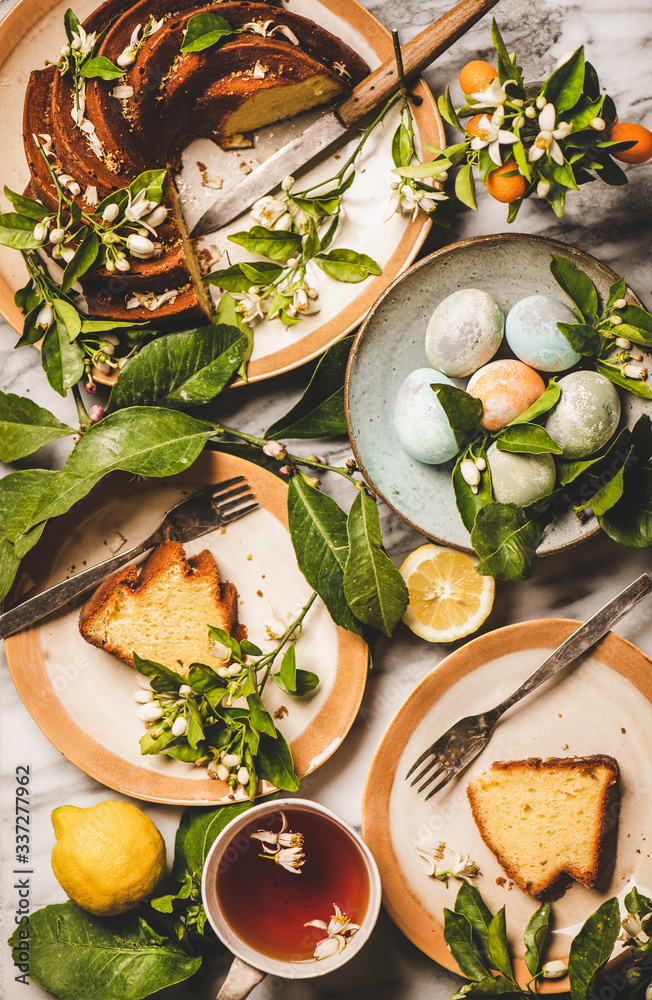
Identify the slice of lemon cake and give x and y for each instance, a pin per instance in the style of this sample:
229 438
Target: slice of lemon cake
549 821
162 612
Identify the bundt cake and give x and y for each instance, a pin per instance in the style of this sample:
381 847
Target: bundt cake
549 821
162 612
273 64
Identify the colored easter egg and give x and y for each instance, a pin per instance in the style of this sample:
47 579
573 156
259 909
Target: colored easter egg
586 415
464 332
531 332
421 423
506 389
520 478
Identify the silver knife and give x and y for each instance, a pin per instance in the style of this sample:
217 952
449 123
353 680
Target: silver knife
374 89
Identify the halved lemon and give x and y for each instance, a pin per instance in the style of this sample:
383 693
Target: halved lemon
448 598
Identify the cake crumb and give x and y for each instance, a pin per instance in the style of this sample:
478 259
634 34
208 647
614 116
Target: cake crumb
260 593
559 715
564 746
249 557
501 881
245 168
623 730
280 712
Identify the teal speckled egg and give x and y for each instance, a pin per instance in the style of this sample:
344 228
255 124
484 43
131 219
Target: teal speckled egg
520 478
464 332
420 421
531 332
586 415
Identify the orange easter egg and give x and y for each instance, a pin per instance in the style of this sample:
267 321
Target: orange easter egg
506 389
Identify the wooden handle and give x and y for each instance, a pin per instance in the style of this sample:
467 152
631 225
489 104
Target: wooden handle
417 54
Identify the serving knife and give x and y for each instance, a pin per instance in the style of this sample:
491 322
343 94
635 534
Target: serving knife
333 125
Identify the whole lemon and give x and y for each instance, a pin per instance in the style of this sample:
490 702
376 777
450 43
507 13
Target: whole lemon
108 858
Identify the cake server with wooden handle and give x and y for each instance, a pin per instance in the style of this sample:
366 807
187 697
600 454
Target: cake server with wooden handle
210 508
333 125
462 743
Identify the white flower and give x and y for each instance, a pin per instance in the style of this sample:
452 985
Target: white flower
634 371
81 42
45 316
553 970
632 926
284 838
274 449
339 929
152 710
122 92
127 57
179 726
493 95
463 869
139 206
410 199
90 195
290 858
268 210
431 855
490 134
142 247
546 141
249 306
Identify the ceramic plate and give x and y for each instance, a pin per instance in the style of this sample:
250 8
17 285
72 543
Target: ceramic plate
82 697
33 31
390 345
599 705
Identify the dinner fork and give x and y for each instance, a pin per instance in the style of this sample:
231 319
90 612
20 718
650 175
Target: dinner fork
462 743
210 508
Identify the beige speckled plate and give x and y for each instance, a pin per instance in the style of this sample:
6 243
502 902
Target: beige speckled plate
82 697
602 704
33 31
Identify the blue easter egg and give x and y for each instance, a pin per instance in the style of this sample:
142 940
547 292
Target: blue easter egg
531 332
464 332
421 424
586 415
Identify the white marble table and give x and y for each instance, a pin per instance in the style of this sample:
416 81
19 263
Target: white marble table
611 223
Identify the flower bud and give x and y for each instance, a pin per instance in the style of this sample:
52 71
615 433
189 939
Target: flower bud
541 102
40 232
222 772
45 316
65 51
184 690
127 57
103 368
223 671
520 122
518 102
598 124
530 112
287 183
243 776
543 187
615 320
231 760
179 726
553 970
67 254
140 245
122 265
470 472
109 265
111 212
150 712
57 235
74 188
292 262
95 413
234 670
285 470
157 217
480 464
620 303
623 342
142 697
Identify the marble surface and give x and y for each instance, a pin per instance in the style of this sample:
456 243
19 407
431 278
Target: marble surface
613 225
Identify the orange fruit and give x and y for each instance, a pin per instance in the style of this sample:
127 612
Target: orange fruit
628 131
476 76
472 125
502 187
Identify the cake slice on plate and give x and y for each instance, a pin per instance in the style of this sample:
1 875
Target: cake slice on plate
549 821
162 612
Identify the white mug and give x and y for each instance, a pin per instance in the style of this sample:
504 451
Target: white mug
220 877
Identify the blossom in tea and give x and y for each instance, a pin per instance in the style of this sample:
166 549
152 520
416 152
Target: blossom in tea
546 140
554 969
338 930
492 136
284 838
290 858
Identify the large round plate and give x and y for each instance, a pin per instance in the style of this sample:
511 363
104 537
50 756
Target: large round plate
390 345
601 704
82 697
32 31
